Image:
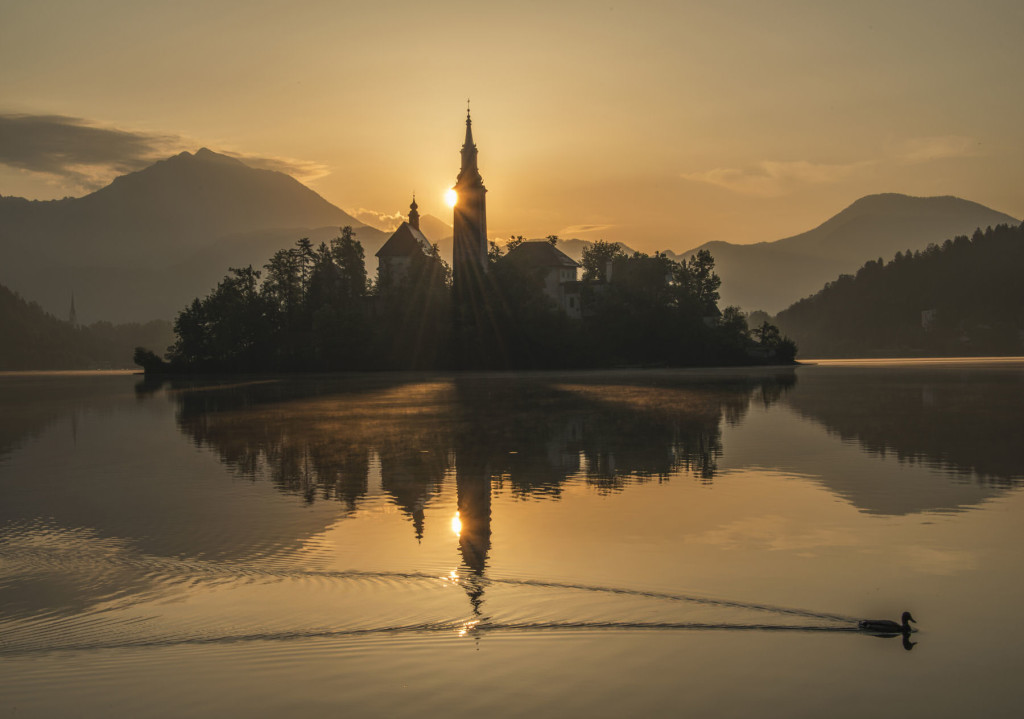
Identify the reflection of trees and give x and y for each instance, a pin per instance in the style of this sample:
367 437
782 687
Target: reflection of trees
529 433
964 422
412 476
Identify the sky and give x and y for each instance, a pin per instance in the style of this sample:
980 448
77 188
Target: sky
660 124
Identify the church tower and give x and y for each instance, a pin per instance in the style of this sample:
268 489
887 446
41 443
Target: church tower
414 214
469 260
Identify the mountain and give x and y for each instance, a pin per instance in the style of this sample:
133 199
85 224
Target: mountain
772 275
143 246
435 229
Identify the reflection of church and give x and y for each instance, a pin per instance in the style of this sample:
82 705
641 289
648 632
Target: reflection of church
555 269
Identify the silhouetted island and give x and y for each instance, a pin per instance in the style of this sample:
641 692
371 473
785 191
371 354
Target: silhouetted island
521 307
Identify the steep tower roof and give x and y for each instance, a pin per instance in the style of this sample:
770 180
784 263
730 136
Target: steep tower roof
406 240
469 171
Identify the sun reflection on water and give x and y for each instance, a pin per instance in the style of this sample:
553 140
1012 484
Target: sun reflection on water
467 627
457 525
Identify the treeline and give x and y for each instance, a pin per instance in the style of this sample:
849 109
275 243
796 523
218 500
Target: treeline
315 309
964 297
32 339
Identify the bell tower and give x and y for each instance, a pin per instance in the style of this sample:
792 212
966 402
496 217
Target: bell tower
469 256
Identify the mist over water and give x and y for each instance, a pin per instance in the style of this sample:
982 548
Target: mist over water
649 542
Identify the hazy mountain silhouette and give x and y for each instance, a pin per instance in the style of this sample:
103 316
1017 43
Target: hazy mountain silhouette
773 275
144 245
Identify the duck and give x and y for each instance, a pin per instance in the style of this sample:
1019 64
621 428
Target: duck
887 626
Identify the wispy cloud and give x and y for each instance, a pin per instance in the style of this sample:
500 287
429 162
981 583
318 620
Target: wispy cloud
301 170
572 230
773 178
925 149
81 153
385 221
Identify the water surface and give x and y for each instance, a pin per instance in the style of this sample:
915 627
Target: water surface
593 544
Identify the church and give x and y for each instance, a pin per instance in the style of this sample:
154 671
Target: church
557 271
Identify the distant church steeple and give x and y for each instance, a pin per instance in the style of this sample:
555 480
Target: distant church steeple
414 215
72 314
470 222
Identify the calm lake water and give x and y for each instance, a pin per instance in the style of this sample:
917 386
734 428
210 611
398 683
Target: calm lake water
657 543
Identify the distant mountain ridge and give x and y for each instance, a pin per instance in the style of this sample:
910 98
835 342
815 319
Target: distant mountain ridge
773 275
145 244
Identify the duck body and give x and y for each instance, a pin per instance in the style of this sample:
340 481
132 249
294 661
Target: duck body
887 626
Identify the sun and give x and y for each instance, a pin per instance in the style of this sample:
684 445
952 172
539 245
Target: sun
451 197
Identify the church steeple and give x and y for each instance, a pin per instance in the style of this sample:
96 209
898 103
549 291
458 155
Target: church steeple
469 152
469 259
414 215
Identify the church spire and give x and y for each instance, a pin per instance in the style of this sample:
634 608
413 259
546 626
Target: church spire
469 153
469 259
414 215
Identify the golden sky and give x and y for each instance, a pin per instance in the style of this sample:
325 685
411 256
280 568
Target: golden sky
660 124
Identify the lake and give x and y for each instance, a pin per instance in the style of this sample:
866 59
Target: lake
606 544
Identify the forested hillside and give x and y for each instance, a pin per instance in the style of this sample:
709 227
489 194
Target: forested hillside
964 297
31 339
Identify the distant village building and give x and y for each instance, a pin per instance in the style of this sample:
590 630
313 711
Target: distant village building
556 269
395 256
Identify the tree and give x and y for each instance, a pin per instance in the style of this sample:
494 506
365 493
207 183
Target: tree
596 258
698 284
349 257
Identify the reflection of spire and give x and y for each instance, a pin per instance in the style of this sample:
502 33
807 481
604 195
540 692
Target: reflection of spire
473 486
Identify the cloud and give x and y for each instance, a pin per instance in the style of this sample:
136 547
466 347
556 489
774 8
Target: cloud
302 170
77 151
772 178
384 221
582 229
81 155
925 149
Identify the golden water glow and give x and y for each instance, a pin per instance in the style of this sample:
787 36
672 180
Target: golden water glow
457 525
451 197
